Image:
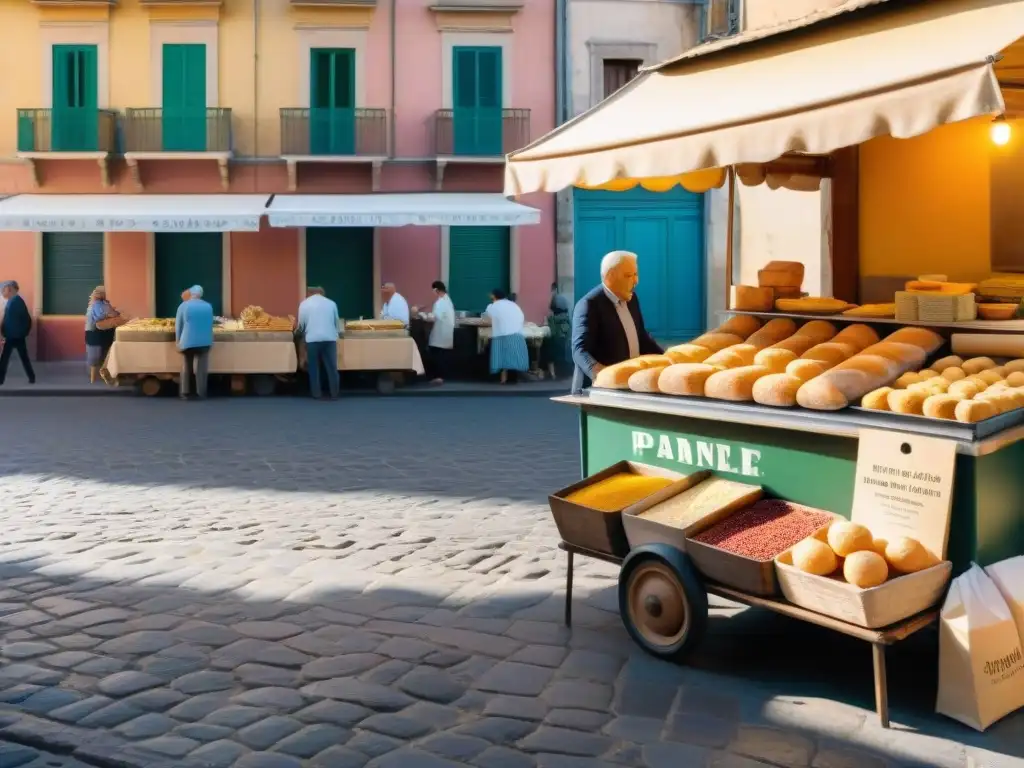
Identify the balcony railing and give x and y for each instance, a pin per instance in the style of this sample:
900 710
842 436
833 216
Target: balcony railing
334 131
163 130
80 129
479 132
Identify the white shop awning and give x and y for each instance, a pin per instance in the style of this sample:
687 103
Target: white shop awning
133 213
431 209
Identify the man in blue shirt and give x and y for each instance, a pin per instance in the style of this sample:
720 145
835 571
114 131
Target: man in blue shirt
193 329
15 328
318 323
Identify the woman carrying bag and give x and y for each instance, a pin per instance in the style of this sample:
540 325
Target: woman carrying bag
101 322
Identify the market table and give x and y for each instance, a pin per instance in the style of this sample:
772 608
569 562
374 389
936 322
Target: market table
879 639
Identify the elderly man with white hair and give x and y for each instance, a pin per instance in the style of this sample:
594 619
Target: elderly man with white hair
193 330
393 304
607 325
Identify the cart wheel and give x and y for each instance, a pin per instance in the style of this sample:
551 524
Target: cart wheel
149 386
662 601
385 383
263 386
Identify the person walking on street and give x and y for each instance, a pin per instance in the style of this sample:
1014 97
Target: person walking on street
15 328
193 330
442 333
318 323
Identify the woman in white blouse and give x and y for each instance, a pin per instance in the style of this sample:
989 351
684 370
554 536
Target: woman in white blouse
442 333
508 344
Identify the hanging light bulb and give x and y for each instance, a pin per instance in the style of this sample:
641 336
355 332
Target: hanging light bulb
1000 132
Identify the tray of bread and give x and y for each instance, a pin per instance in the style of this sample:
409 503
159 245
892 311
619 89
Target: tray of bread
146 329
376 329
255 318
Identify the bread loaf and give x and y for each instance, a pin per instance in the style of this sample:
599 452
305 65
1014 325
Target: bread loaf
908 378
940 407
982 384
1015 378
739 325
646 380
733 357
964 389
972 411
1014 366
953 373
906 401
751 298
830 353
928 373
776 360
999 370
736 384
936 386
652 361
685 379
849 381
617 376
819 330
927 340
950 361
989 376
877 400
858 334
772 332
715 341
977 365
805 370
796 344
687 353
907 355
777 389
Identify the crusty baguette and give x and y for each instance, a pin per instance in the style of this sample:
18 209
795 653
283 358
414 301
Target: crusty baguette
685 379
772 332
736 384
617 376
740 325
776 389
717 341
646 380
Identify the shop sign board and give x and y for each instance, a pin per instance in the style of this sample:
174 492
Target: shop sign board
130 224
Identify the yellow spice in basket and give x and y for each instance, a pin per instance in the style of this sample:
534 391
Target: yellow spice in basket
617 492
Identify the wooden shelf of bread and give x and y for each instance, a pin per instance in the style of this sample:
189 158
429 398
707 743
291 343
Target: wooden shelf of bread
778 363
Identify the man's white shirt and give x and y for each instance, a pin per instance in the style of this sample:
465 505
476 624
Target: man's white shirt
397 308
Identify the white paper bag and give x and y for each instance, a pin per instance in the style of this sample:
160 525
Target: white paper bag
981 667
1008 576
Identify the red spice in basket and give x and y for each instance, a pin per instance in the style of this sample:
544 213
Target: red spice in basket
764 529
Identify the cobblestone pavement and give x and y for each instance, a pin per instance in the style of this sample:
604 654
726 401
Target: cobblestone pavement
283 583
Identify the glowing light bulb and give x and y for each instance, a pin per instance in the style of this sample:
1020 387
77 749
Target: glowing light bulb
1000 133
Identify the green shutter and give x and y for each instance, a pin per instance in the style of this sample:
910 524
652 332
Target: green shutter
478 262
332 101
75 126
340 260
477 100
72 268
184 259
184 97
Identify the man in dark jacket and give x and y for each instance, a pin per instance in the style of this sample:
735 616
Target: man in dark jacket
607 325
16 326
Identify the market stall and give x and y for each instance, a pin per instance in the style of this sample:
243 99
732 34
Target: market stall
383 348
904 418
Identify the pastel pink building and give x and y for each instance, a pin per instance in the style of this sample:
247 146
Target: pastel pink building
257 148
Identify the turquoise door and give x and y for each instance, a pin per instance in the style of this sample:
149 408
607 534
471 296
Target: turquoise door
75 125
476 99
340 260
332 101
184 98
479 261
666 231
184 259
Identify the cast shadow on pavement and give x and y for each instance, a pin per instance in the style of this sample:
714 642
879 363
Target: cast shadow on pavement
139 671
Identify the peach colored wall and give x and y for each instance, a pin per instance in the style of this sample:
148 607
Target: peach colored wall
60 338
127 272
265 270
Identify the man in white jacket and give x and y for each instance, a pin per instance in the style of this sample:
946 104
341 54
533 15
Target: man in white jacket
442 334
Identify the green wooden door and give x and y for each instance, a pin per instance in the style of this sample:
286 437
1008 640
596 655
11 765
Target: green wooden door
476 98
184 259
340 260
479 260
72 268
332 101
75 126
184 98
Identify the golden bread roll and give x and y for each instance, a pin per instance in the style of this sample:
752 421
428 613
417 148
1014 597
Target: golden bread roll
908 378
617 376
831 353
990 376
1003 403
814 556
1001 384
971 411
820 394
859 335
1017 396
687 353
999 370
940 407
685 379
847 537
927 340
964 389
879 546
877 399
653 361
907 355
796 344
978 364
865 569
950 361
772 332
907 401
953 374
977 381
805 370
736 384
777 389
936 386
908 555
733 357
1015 379
1014 366
928 373
646 380
776 360
819 331
717 341
739 325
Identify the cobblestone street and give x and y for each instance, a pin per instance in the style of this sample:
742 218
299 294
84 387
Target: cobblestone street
282 583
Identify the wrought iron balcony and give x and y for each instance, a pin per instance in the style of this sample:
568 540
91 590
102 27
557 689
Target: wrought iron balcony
476 132
339 132
81 129
160 130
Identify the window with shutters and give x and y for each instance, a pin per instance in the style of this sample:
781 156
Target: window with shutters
332 101
618 72
184 97
75 116
477 100
722 18
479 260
72 268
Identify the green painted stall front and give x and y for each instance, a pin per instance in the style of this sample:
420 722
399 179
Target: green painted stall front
812 469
